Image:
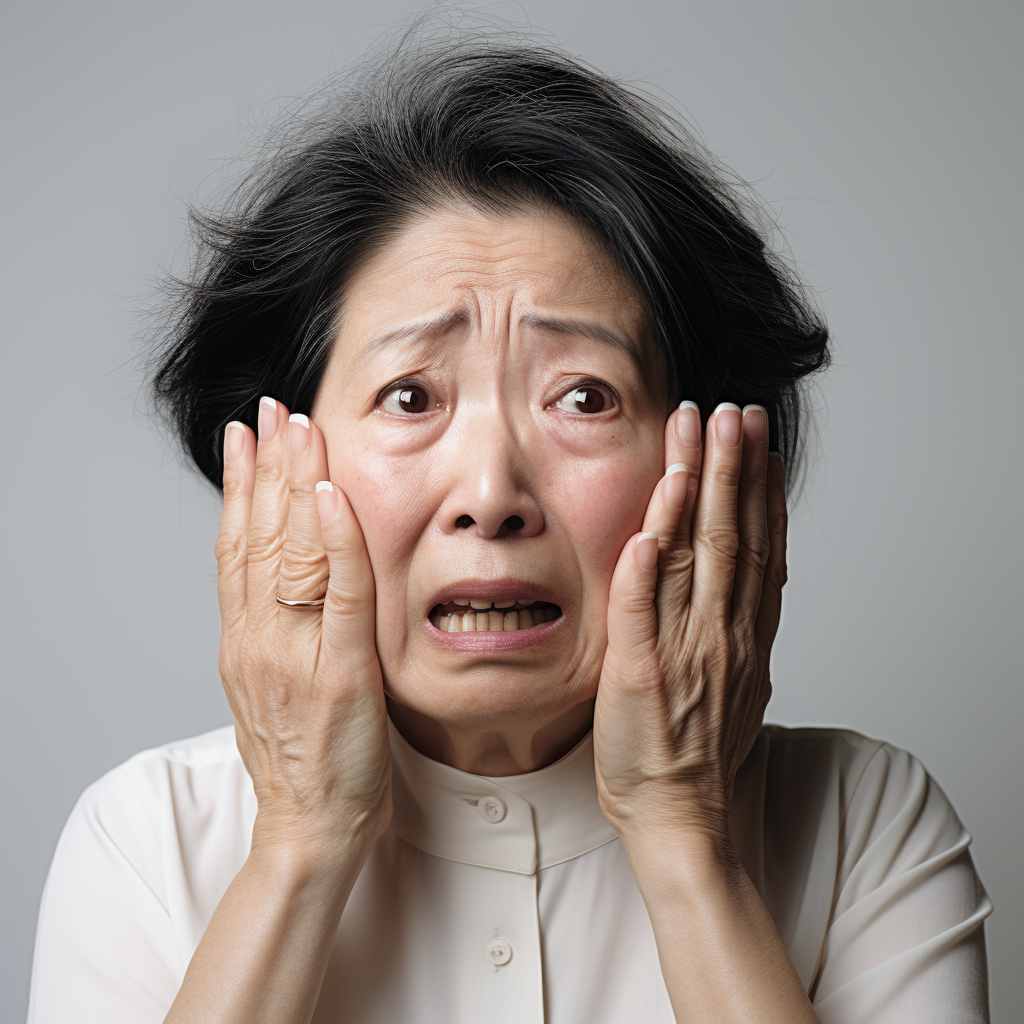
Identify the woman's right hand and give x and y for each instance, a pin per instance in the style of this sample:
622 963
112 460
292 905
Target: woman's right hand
304 686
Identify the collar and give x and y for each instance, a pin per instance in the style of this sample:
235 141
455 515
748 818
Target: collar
518 823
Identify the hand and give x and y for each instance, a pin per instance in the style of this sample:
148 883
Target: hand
692 615
304 686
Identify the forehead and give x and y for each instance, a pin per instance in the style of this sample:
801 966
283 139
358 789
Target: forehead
473 265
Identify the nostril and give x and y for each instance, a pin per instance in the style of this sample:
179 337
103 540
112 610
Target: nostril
463 522
514 523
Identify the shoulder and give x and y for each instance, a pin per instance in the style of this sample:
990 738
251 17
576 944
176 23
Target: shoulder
185 803
865 862
870 783
187 773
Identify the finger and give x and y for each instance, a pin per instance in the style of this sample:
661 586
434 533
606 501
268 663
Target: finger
269 512
632 614
304 567
671 506
715 537
348 625
770 610
752 517
232 540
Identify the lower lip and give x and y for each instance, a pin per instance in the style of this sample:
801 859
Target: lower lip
492 640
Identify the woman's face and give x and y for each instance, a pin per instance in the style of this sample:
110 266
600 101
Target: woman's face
485 412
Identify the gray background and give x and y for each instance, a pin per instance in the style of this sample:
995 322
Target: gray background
885 136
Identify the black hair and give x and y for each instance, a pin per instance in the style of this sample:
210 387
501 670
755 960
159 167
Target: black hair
500 125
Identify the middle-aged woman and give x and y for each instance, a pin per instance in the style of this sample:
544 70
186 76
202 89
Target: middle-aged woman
497 609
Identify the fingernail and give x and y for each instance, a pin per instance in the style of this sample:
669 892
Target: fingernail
728 424
647 551
234 441
325 500
755 422
298 432
267 423
677 467
688 425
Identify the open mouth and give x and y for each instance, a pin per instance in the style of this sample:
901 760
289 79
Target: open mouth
469 615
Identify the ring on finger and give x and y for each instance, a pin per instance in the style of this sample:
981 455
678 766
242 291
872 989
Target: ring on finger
318 603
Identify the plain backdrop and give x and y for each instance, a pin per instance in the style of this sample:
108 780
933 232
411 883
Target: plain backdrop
885 136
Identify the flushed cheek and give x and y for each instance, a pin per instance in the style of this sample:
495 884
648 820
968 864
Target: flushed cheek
601 504
392 510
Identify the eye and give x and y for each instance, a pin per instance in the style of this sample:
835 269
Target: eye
587 398
405 398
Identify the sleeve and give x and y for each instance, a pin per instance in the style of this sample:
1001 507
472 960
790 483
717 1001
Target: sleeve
105 948
905 942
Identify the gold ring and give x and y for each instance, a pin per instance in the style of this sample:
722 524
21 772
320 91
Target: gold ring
318 603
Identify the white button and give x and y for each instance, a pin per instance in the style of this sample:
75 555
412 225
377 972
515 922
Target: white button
498 951
491 808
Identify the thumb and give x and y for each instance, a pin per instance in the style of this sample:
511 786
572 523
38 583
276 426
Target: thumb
632 612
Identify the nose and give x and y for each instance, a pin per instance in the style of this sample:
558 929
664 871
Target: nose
491 486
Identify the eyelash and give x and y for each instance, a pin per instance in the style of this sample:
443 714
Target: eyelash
580 385
590 383
398 385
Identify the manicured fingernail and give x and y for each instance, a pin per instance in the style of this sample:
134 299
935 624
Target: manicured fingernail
234 441
688 425
677 467
755 422
647 550
267 424
325 500
728 424
298 432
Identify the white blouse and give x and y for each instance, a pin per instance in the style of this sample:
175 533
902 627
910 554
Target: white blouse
511 899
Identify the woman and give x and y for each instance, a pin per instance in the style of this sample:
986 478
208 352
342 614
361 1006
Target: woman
497 377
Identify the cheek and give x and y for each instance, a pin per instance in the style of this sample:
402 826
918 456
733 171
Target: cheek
601 504
387 506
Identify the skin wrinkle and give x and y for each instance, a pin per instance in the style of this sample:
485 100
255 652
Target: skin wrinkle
511 294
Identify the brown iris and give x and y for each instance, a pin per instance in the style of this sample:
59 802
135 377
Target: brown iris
589 400
412 399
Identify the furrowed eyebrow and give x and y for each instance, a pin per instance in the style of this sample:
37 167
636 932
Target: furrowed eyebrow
438 325
429 327
584 328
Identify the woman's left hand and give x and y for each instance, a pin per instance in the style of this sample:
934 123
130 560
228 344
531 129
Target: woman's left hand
692 615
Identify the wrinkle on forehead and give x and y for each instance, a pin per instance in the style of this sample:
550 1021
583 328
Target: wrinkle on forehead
423 283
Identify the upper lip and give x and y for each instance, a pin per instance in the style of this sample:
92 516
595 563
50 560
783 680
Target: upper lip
504 589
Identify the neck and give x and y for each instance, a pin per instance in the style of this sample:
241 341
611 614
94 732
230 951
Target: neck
507 748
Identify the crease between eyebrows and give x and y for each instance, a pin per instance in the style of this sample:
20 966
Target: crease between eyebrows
436 326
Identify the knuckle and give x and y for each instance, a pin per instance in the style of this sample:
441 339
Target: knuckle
681 560
778 574
720 541
229 550
303 565
269 471
264 542
755 551
778 518
726 472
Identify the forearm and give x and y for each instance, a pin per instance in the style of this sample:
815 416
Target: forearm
721 955
265 951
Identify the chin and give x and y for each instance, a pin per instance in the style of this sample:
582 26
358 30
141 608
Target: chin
489 697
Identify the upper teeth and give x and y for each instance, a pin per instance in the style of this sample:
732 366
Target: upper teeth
500 616
484 605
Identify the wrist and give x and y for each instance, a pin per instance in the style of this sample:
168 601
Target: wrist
683 863
300 857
